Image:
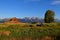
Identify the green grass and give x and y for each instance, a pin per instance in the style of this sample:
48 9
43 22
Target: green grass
18 31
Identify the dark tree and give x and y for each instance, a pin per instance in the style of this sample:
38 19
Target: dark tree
49 16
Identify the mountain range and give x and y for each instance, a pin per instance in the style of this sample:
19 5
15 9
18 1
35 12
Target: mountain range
27 19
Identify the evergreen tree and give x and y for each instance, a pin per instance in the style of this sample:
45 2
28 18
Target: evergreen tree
49 16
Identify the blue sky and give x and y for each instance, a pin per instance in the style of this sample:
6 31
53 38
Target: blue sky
28 8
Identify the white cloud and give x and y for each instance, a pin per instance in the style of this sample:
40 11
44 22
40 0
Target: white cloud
56 2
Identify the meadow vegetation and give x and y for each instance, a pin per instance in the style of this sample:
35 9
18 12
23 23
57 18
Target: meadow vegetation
29 30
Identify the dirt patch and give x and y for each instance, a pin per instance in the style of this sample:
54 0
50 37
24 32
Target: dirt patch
5 33
47 38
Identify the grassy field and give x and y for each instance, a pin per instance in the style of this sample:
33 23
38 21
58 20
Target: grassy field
28 31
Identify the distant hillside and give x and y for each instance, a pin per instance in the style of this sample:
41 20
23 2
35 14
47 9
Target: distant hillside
57 20
27 19
4 20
